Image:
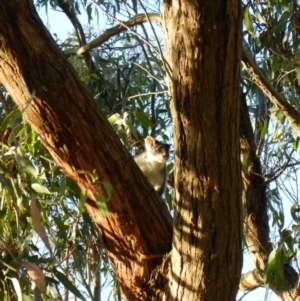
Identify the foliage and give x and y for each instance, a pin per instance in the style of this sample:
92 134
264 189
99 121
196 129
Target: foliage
37 225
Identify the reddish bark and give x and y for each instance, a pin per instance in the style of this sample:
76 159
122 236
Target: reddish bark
57 105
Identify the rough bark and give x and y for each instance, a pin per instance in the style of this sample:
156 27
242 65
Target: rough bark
138 230
254 197
203 48
256 224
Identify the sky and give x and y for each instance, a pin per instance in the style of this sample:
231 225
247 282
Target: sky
58 24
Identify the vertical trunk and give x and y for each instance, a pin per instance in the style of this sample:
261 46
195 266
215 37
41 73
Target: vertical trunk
203 49
256 224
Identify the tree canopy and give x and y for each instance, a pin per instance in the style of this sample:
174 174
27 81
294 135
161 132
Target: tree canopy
218 80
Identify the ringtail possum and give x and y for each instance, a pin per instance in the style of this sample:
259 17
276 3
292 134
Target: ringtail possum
153 161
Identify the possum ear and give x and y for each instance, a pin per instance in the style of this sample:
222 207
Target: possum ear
149 142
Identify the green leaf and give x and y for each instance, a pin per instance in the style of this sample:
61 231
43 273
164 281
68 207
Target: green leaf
280 25
108 188
61 227
82 200
246 160
102 205
248 21
73 188
89 10
114 118
40 188
11 116
278 116
26 165
88 221
284 5
260 18
68 284
295 142
284 40
4 169
263 128
278 281
62 186
278 133
294 210
3 213
275 267
52 280
280 259
16 132
286 237
95 176
270 267
143 119
79 260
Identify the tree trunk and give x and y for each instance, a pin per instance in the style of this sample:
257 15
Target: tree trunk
256 223
138 231
203 49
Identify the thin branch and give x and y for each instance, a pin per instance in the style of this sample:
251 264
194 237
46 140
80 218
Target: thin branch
147 94
278 171
276 98
67 9
155 35
70 13
127 79
123 26
154 85
150 74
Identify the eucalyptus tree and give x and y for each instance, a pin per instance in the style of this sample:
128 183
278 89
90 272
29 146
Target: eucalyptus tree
77 213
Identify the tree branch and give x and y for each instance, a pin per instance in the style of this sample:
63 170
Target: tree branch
251 280
276 98
138 19
70 13
254 197
138 221
256 227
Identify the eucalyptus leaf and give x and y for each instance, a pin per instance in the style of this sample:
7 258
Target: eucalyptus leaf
143 119
108 188
270 267
9 118
101 203
40 188
68 284
248 20
26 165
